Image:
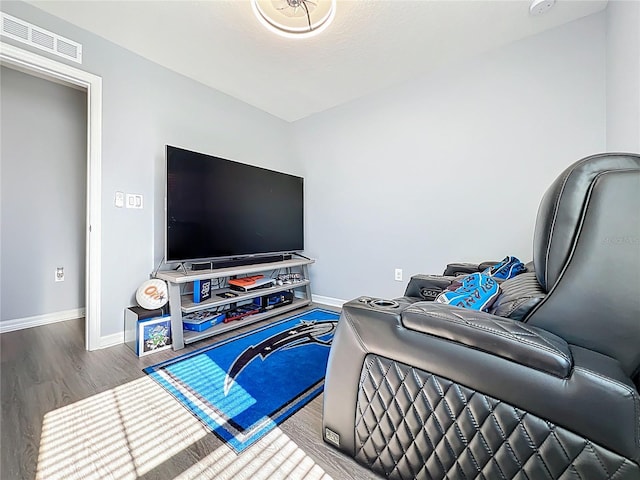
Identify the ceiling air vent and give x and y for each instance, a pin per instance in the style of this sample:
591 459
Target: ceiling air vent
37 37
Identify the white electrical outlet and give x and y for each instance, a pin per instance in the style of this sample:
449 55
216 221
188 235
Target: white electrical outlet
119 199
398 274
59 274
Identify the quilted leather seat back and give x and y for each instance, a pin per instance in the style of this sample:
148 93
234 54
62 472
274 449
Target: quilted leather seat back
587 256
411 424
519 297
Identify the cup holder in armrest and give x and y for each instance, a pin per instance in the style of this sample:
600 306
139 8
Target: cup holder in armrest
381 305
384 304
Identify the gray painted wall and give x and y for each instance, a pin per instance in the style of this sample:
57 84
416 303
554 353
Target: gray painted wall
451 166
447 167
145 107
43 162
623 76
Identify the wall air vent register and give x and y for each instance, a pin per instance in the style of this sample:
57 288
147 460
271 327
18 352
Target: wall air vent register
37 37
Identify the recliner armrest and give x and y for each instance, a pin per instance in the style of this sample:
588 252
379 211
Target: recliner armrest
516 341
427 287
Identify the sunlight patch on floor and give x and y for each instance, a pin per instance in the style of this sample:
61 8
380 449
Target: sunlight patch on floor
274 457
128 431
121 434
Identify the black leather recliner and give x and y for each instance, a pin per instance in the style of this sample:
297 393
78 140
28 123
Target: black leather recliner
540 388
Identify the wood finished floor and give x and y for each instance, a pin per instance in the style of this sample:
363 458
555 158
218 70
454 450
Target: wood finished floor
72 414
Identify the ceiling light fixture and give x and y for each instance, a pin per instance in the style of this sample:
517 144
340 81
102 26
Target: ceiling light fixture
295 18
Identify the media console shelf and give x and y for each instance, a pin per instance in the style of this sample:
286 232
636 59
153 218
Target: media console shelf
183 303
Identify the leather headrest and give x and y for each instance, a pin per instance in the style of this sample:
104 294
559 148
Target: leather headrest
561 211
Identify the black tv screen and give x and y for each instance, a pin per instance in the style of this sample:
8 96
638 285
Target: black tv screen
218 208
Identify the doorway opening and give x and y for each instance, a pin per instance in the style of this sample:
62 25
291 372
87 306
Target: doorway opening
48 69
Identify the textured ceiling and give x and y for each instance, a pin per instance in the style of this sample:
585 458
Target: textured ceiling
372 44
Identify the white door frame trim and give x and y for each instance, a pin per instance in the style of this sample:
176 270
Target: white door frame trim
52 70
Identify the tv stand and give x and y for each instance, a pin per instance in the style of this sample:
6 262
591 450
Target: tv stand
180 303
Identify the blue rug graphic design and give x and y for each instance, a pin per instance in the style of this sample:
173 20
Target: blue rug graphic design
243 387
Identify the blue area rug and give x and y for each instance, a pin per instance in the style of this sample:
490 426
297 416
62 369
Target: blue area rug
243 387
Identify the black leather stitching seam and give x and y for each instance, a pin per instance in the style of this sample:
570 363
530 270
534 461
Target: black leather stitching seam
413 400
455 426
570 460
515 305
593 450
465 409
369 405
520 464
443 431
419 383
394 395
532 444
403 373
613 475
553 224
393 372
478 429
551 347
576 237
354 330
505 335
421 433
412 407
573 246
531 333
555 214
634 396
478 433
505 438
423 393
536 451
394 399
524 331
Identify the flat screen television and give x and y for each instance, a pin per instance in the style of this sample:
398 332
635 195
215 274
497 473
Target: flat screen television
219 208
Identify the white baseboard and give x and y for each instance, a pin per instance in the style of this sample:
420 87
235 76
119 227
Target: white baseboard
38 320
332 302
111 340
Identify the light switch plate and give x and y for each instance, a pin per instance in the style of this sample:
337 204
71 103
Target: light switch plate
134 200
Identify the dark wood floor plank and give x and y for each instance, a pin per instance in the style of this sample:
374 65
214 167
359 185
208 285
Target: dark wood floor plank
86 402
